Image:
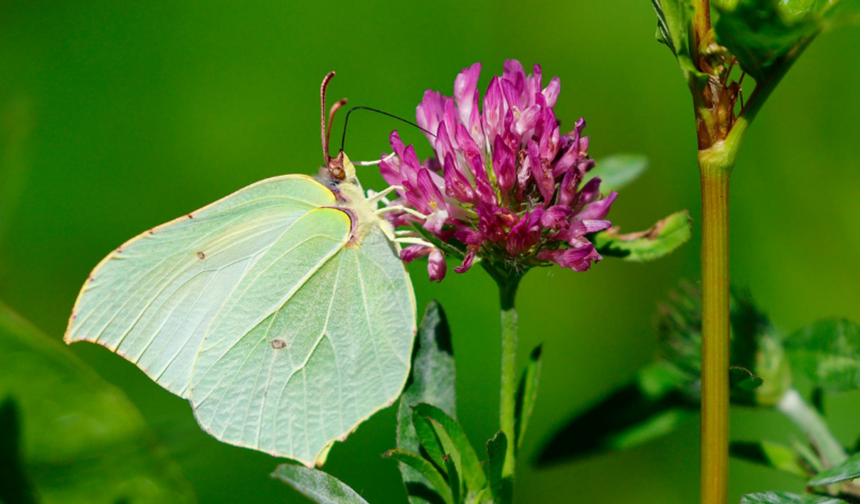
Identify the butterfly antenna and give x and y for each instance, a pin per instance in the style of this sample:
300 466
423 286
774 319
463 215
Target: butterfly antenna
346 122
333 165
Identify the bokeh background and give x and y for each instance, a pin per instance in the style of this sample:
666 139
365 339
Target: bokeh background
117 116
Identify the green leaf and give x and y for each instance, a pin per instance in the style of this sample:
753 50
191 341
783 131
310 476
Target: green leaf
764 37
646 408
674 22
847 470
431 381
425 468
828 353
658 241
742 379
770 454
81 439
527 395
617 171
470 465
15 486
430 443
317 485
767 36
454 482
788 498
500 487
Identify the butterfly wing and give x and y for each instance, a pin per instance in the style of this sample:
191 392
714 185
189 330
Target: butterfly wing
318 361
153 299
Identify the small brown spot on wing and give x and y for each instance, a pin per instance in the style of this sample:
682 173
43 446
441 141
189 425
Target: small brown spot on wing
201 255
190 216
279 344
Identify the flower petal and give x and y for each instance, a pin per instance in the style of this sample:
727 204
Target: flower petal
436 265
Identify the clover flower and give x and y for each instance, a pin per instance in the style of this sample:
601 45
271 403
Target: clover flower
506 185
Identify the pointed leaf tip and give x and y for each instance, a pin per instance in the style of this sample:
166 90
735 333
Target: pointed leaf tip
659 240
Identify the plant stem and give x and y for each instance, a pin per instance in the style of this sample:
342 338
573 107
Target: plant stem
810 422
507 404
715 172
701 19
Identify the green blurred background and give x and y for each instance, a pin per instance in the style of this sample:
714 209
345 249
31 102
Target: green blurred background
117 116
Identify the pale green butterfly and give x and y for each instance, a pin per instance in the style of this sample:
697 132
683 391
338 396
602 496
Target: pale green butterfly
282 311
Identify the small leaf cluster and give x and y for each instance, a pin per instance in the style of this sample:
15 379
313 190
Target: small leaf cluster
438 462
767 372
761 37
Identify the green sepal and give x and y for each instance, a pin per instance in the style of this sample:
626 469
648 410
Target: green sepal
316 485
849 469
788 498
500 486
645 408
659 240
617 171
431 381
425 468
469 465
770 454
526 396
828 353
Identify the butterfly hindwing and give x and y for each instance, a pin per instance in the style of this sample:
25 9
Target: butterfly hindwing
322 359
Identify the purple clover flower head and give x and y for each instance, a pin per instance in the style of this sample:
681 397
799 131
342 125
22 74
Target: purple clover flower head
505 186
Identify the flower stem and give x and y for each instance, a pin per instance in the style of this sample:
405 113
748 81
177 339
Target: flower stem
715 172
810 422
507 404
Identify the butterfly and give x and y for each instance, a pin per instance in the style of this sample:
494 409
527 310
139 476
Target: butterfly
282 312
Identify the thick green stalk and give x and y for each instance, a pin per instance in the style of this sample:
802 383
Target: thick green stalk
507 403
715 168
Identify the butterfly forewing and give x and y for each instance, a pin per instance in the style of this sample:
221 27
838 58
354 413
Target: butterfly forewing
327 357
153 299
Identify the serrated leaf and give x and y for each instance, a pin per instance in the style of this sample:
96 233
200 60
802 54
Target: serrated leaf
828 353
82 440
500 486
617 171
469 464
425 468
770 454
646 408
527 395
788 498
847 470
316 485
660 240
431 381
